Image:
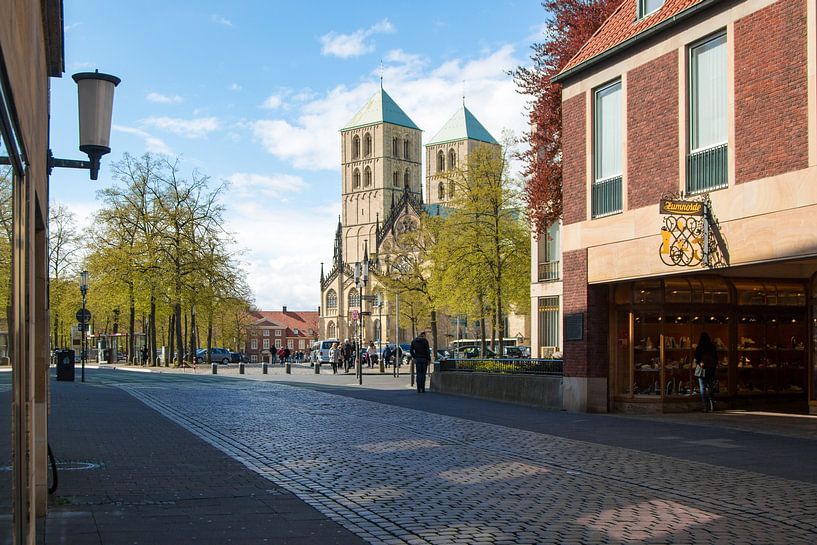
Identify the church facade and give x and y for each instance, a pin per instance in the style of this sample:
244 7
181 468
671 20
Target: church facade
381 193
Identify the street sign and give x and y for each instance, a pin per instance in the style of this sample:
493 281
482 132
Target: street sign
369 298
83 315
365 313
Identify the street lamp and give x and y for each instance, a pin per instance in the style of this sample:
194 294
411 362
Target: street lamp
361 279
83 289
379 304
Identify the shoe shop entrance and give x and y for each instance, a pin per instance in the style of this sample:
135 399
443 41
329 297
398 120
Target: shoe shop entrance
760 327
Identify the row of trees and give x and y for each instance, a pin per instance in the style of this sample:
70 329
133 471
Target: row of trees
473 261
158 256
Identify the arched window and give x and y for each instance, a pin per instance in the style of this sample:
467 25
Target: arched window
405 148
452 159
331 300
354 298
356 178
396 178
355 147
367 145
451 189
367 177
331 331
441 191
406 179
377 330
440 161
395 147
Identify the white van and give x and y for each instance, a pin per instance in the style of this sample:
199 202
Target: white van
326 345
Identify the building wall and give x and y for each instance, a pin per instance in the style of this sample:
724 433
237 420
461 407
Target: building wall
772 162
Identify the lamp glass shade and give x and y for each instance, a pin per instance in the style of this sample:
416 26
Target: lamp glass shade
95 92
83 280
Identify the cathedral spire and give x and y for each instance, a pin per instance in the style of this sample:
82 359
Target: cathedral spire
321 272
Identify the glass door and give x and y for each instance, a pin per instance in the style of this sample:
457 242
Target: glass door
646 360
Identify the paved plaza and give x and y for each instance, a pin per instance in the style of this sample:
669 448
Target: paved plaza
387 466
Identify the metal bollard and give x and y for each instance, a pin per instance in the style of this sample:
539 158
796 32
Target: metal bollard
318 368
264 368
289 368
215 368
382 364
240 368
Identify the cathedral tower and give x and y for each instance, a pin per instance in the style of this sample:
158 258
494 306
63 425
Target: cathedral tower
449 149
380 156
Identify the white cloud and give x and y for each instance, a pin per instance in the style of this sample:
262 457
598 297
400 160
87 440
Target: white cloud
428 94
354 44
277 185
190 128
221 20
272 102
152 144
284 270
163 99
235 87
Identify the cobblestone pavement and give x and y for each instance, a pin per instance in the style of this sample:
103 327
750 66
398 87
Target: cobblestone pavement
394 475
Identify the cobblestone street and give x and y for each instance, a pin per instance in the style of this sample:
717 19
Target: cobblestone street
395 475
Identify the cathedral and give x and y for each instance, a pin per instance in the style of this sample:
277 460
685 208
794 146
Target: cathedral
382 194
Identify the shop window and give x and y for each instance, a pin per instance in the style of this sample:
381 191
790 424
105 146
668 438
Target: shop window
677 291
711 290
646 354
771 354
548 320
648 291
623 294
814 340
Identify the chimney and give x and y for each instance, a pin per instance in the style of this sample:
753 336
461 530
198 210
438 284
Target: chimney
285 309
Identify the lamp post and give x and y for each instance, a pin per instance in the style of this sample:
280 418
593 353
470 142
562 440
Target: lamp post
361 279
379 303
83 289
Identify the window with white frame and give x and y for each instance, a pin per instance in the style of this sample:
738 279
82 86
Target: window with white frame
254 358
277 343
254 344
266 344
300 344
646 7
266 333
707 161
277 332
549 253
608 149
290 344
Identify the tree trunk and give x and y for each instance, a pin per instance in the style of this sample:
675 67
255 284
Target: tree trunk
482 334
56 330
177 324
152 330
193 343
132 356
434 345
209 332
171 345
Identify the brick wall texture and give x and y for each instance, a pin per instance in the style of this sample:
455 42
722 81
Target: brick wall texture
574 177
771 96
588 357
652 131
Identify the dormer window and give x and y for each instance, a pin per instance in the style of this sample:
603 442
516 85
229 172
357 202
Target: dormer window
646 7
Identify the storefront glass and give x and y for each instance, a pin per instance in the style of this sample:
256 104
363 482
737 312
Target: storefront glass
760 335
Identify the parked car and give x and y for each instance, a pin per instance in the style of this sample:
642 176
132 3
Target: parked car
474 352
217 355
237 357
517 351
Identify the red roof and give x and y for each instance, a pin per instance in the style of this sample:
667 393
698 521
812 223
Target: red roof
622 25
302 320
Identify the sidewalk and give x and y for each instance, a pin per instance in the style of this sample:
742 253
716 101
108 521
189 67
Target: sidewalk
154 482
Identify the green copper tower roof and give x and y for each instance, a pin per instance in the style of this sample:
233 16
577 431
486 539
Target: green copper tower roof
462 126
381 108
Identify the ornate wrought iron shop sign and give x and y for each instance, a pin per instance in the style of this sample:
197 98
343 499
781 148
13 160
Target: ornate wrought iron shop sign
690 234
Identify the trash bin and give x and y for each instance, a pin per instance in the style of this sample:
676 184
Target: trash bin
65 364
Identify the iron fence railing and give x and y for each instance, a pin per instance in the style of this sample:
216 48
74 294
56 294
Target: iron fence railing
607 197
548 271
520 366
707 169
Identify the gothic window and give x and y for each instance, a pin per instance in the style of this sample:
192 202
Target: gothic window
331 300
441 191
451 189
452 159
331 332
377 330
367 177
354 298
356 179
396 179
406 179
440 161
367 145
405 148
395 147
355 147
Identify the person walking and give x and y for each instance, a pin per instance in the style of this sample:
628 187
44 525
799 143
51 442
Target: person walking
706 360
421 353
335 355
387 355
347 355
371 354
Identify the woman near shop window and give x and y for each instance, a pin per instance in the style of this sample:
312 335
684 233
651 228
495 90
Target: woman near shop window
706 360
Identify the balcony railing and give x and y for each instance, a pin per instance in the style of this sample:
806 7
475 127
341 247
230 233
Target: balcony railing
548 271
607 197
707 170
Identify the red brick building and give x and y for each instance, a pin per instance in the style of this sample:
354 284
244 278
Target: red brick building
294 329
711 104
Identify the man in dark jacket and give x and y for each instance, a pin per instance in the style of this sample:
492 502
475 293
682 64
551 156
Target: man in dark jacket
421 353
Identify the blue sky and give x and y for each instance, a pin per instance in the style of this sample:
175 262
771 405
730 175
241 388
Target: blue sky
254 93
